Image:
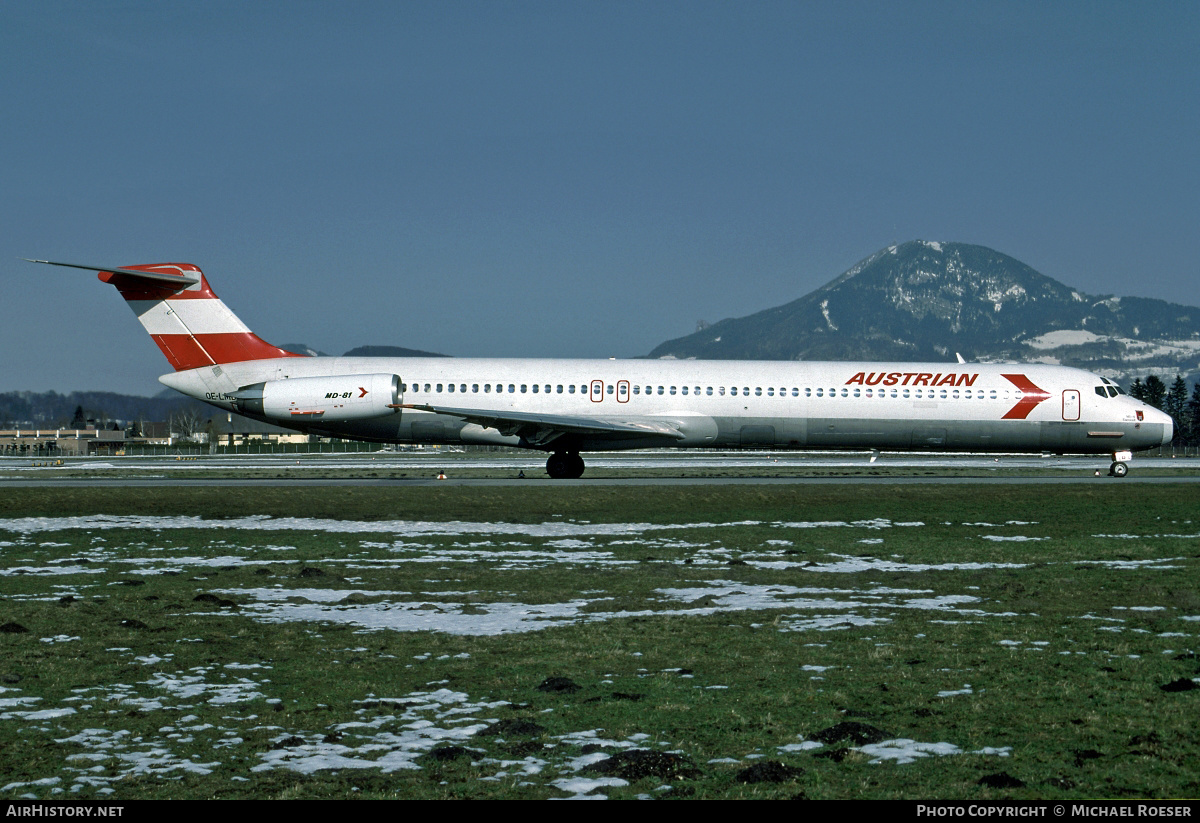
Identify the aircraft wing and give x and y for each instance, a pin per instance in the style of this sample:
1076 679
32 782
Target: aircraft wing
540 429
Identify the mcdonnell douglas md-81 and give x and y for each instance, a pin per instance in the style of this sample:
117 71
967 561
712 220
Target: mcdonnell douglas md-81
566 407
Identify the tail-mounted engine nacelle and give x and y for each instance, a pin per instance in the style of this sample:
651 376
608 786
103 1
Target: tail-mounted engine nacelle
335 398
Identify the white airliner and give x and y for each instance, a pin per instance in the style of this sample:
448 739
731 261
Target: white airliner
565 407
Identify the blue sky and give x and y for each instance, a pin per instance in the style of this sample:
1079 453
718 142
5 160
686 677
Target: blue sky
568 179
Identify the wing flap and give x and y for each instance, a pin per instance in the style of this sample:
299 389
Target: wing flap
539 429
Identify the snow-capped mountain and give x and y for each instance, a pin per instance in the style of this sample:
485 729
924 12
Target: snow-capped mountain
928 301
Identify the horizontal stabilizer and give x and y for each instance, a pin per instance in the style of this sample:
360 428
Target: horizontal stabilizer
166 273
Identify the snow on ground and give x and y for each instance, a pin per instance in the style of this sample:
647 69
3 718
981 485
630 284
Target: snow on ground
406 728
1063 337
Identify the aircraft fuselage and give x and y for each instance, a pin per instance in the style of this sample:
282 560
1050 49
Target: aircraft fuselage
725 404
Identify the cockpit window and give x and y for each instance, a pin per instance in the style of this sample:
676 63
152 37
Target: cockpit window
1112 391
1100 391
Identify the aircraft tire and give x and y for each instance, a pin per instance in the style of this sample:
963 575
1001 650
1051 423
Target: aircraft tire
558 466
575 462
1118 470
564 465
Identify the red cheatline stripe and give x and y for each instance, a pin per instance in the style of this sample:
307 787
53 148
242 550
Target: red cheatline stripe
1033 396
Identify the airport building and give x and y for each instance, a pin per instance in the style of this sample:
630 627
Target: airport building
230 431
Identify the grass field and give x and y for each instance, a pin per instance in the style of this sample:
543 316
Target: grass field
866 641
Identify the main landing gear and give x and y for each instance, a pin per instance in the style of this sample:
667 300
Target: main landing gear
565 465
1120 467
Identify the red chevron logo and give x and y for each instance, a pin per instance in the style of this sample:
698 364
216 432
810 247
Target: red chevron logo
1032 396
364 392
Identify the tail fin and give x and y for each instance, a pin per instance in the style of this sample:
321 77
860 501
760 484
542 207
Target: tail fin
190 324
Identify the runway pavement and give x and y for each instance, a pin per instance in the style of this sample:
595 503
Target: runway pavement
639 468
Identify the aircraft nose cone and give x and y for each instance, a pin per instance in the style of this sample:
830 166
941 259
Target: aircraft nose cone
1168 425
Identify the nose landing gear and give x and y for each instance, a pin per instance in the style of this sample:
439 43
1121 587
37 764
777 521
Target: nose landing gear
1120 467
565 465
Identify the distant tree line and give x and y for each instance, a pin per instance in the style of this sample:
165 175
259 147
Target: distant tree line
1175 402
53 410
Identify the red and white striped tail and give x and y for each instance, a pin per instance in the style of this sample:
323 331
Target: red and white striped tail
189 323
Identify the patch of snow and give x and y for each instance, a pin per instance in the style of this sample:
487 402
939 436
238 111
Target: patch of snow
1063 337
966 689
903 750
825 313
